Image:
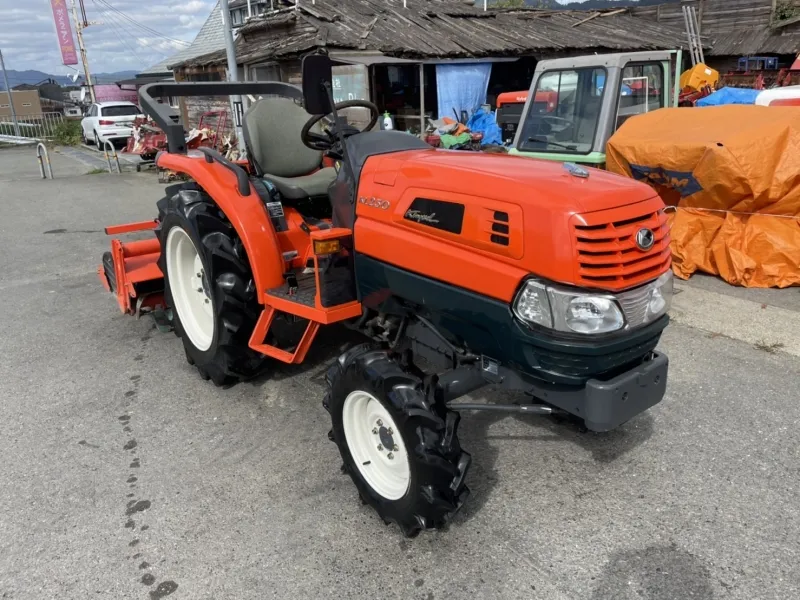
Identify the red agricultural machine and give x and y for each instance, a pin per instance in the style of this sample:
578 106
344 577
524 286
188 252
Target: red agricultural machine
459 269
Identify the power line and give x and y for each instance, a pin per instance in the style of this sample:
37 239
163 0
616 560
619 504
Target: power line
119 32
121 25
141 26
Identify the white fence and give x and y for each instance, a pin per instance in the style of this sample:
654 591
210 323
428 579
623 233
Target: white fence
40 127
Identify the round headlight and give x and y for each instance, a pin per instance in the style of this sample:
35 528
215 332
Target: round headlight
591 314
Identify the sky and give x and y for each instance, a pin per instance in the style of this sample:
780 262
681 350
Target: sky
28 37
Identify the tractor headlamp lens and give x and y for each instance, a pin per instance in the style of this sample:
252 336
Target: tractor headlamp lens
567 310
592 314
532 305
660 297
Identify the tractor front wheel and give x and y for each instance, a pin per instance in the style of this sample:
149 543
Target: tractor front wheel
399 445
208 285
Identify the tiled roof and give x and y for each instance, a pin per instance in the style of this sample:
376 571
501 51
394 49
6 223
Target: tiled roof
210 38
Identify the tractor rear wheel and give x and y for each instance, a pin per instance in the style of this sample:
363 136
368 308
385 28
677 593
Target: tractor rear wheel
398 444
208 284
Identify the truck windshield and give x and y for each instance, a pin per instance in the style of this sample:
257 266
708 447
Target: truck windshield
564 114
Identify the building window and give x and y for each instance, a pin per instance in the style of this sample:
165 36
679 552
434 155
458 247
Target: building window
26 104
269 72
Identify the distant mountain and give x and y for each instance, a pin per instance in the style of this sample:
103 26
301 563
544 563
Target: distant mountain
32 77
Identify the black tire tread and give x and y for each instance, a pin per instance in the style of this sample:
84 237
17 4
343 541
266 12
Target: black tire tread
235 303
440 463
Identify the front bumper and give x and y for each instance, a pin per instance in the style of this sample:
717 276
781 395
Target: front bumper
607 404
115 135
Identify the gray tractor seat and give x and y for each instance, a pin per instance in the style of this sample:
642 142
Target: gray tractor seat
307 186
272 128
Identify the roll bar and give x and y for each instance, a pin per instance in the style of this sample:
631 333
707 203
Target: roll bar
162 114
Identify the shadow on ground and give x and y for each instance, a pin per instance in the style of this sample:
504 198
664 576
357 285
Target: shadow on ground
654 573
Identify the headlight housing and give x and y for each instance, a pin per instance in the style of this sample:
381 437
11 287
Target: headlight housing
660 297
563 309
577 311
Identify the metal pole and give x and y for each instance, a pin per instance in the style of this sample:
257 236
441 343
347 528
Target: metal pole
684 9
233 74
249 10
699 39
10 99
79 32
422 101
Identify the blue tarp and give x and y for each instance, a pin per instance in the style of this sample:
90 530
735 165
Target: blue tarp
461 87
483 122
729 95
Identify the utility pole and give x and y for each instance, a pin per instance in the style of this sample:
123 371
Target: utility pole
79 27
233 75
10 99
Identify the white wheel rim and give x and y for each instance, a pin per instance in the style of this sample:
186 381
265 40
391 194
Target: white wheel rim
190 291
363 415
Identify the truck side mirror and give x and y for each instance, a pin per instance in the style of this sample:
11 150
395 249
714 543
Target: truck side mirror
317 84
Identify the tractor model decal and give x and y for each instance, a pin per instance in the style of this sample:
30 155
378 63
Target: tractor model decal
447 216
682 181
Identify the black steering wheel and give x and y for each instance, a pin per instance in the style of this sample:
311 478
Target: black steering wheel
326 141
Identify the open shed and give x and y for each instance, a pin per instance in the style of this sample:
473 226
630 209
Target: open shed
399 54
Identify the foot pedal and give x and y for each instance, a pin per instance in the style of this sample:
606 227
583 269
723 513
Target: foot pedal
291 282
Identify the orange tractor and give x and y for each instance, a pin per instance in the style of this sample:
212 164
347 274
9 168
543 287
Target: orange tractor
460 270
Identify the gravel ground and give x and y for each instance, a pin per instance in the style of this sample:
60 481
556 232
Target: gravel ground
126 476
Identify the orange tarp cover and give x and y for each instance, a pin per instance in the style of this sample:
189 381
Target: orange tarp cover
731 177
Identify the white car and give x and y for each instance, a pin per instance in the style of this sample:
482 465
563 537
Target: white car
112 121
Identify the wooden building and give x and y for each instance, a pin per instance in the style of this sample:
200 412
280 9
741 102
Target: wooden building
388 51
736 28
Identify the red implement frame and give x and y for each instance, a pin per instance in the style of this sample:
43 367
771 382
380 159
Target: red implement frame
222 120
134 264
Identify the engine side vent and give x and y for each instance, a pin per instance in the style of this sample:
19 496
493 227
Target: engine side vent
500 239
500 230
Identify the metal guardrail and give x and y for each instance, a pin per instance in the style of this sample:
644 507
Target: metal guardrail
113 154
41 127
42 156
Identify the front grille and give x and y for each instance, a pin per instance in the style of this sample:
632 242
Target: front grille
608 256
582 366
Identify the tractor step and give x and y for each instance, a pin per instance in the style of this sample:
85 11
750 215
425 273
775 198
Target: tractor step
305 293
294 356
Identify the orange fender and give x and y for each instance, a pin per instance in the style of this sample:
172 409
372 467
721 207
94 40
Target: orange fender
246 213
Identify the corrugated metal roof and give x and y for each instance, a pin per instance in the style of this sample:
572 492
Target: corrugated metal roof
443 29
210 38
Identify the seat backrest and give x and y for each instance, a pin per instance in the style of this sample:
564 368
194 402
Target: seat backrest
272 131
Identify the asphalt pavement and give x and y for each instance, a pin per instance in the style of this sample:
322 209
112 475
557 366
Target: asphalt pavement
124 475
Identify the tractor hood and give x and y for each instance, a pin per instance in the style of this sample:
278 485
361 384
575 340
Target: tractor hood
528 182
527 216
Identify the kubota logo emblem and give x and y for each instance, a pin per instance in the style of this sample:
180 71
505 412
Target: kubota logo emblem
645 239
375 203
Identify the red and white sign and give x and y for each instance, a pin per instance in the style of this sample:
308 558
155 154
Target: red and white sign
69 55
